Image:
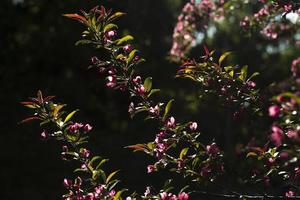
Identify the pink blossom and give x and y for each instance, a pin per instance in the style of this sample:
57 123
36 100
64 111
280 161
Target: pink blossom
99 189
137 80
171 122
67 183
112 193
274 111
193 126
44 135
111 81
94 60
110 34
205 171
290 194
292 134
85 153
212 149
276 138
87 128
90 196
155 110
141 89
128 48
150 168
183 196
163 195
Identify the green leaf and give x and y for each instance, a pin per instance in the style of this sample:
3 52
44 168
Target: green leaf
98 172
228 68
223 56
253 75
69 116
251 154
167 109
124 39
83 42
110 26
131 55
94 159
101 163
118 195
148 84
110 176
183 152
153 91
116 15
243 74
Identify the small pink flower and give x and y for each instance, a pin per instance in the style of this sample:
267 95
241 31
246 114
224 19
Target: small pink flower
112 193
274 111
292 134
128 48
183 196
161 147
111 81
150 168
110 34
251 84
212 149
85 153
193 126
205 171
94 60
171 122
155 110
131 108
87 128
137 80
67 183
98 190
290 194
44 135
141 89
276 138
163 195
90 196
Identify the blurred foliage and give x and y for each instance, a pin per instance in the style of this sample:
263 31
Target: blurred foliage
38 52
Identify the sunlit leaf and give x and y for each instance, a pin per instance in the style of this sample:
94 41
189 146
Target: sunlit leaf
148 84
167 109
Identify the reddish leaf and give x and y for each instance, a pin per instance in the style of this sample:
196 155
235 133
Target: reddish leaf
29 119
137 147
206 51
76 17
48 98
27 103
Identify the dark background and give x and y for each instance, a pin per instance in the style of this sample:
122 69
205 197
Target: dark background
38 52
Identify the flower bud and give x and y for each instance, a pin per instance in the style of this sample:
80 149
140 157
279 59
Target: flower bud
171 122
193 126
94 60
128 48
137 80
87 128
274 111
44 135
183 196
67 183
150 168
110 34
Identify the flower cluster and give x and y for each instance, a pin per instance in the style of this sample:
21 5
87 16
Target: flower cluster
231 84
92 183
272 19
120 75
193 18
